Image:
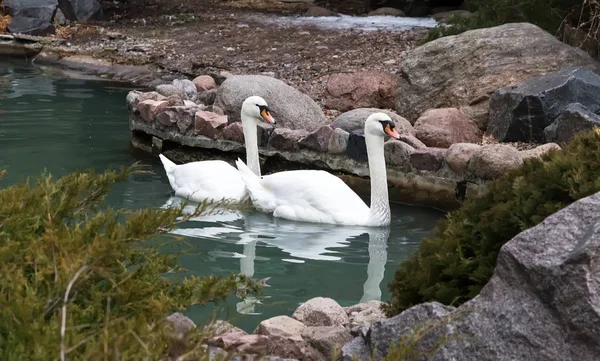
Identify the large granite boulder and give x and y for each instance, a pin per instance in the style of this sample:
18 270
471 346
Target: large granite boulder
346 91
463 70
542 303
291 108
574 119
81 10
522 112
355 120
31 17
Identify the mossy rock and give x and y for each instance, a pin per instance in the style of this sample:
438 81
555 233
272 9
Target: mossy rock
453 265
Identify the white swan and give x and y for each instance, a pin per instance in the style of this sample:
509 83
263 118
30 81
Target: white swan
319 196
214 180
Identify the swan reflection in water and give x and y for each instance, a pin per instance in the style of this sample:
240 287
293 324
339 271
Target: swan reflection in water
302 241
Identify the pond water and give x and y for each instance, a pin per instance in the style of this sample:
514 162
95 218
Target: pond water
61 124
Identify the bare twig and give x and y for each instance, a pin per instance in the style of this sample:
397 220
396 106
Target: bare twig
63 326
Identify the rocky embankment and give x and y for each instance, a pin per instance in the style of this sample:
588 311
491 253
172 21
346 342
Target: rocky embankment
461 123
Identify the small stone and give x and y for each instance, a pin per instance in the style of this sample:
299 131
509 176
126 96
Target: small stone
209 124
287 139
220 327
318 140
338 141
208 96
397 154
187 89
134 97
326 339
321 311
204 82
446 126
459 154
357 148
149 108
494 160
241 341
157 143
168 90
430 159
364 314
539 151
180 322
167 118
281 326
234 132
356 349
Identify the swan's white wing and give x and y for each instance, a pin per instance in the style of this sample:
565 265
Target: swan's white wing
211 179
311 196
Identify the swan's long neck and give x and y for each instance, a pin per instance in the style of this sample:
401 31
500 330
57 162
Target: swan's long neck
380 205
251 141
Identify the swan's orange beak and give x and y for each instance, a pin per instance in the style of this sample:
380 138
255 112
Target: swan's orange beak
267 116
392 132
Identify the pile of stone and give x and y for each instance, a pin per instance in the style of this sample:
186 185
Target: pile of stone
317 330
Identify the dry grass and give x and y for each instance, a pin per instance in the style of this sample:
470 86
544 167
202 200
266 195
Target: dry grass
77 30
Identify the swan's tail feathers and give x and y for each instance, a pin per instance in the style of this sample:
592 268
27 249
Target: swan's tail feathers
247 175
168 164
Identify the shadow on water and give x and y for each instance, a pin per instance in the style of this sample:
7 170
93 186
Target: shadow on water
63 124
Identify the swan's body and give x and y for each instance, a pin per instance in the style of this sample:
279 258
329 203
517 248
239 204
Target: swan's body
214 180
319 196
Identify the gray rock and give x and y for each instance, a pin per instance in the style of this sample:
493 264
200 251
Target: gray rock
521 112
397 154
459 155
180 322
60 17
291 108
493 160
386 11
338 141
264 131
168 90
364 314
357 148
539 151
187 89
575 118
318 11
542 301
356 349
326 339
318 140
321 311
183 116
391 330
286 139
81 10
31 17
208 96
448 71
355 120
430 159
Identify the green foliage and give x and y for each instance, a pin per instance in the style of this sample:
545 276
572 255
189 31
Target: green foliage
547 14
453 266
80 281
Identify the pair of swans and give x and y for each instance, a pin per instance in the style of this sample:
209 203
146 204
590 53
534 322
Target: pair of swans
299 195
